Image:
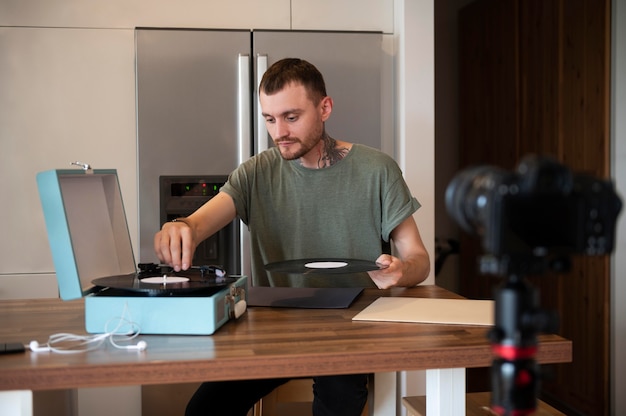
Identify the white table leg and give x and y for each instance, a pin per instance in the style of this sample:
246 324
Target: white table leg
16 403
445 392
384 394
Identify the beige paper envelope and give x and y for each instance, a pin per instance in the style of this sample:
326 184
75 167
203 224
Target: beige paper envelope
427 310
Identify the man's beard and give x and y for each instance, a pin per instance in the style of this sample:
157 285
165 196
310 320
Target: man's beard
305 146
301 151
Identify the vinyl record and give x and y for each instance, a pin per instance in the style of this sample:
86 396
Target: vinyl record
173 284
322 266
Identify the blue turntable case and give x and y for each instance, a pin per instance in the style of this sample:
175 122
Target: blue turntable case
89 239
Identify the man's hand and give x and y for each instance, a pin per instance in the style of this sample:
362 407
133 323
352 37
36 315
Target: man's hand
411 267
174 245
389 273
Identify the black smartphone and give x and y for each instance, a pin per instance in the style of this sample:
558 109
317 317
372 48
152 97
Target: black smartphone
11 348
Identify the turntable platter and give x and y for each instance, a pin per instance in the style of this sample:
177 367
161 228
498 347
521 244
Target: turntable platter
183 283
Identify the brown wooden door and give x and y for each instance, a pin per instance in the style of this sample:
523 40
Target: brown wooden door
534 78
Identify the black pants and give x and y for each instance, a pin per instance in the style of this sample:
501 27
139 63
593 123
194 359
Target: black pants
332 396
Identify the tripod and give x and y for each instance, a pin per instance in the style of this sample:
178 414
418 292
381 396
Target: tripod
514 371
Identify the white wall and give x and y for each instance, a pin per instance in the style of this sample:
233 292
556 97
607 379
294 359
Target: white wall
415 121
415 107
618 140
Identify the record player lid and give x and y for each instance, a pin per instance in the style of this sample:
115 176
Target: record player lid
87 227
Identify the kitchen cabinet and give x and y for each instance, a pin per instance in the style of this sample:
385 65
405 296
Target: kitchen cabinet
128 14
361 15
67 95
373 15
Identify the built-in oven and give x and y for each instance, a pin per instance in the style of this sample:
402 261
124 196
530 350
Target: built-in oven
182 195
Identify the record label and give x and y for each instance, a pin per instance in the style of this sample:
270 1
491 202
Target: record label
322 266
325 264
165 280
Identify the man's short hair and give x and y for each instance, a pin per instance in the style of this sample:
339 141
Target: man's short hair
296 71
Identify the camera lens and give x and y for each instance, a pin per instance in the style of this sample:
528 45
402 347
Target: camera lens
469 196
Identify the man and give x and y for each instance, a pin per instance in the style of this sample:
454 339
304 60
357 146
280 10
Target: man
309 196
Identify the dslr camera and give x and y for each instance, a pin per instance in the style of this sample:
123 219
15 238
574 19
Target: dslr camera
528 220
541 209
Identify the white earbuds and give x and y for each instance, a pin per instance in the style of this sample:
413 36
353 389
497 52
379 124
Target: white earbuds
140 346
67 343
35 347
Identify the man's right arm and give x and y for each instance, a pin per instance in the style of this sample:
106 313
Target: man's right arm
176 243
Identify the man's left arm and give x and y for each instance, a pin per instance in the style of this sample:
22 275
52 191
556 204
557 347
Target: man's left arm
412 265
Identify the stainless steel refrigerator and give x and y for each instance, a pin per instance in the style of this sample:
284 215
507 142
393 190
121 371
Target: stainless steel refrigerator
197 105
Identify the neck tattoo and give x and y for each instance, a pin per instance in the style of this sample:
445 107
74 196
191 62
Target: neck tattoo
331 154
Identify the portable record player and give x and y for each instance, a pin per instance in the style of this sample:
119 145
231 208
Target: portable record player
93 258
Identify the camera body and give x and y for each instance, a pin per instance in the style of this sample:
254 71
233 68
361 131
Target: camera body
541 209
526 220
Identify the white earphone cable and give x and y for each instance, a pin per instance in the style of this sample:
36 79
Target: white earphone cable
67 343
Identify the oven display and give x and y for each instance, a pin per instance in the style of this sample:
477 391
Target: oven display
194 189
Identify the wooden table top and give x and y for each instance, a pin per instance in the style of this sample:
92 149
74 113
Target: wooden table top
264 343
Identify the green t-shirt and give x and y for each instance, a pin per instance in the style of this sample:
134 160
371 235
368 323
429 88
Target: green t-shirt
343 211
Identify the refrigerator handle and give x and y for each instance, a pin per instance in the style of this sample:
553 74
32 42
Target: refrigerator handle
244 119
243 109
261 130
